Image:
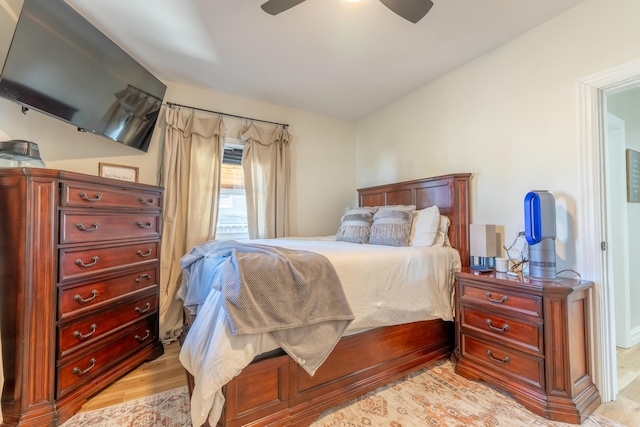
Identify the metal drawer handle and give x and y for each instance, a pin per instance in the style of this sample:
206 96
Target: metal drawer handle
139 252
91 264
79 372
147 307
145 202
149 224
80 336
77 297
88 199
144 338
93 227
505 360
143 276
505 328
499 301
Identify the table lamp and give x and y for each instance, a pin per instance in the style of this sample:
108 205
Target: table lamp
483 246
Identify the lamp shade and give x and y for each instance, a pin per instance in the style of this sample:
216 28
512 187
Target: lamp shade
483 240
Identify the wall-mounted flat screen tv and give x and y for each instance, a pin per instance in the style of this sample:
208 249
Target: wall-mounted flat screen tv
60 64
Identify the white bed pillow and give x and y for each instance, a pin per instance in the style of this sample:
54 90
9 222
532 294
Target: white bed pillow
424 227
442 238
392 225
355 224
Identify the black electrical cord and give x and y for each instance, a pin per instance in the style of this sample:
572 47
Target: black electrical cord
516 263
573 271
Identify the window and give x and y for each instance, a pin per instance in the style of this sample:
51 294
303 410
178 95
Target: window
232 206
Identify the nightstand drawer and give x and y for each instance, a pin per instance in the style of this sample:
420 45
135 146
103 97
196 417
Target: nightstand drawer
502 300
525 335
505 361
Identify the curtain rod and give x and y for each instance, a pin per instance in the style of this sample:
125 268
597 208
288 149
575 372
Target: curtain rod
173 104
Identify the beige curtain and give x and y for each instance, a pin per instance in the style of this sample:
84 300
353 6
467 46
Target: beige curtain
267 171
192 158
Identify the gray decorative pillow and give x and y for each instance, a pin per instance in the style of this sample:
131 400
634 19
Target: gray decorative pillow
392 225
355 224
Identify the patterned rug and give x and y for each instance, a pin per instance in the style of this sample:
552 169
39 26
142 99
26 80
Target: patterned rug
433 397
168 409
438 397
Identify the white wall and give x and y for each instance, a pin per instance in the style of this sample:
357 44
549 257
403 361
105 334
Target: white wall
509 117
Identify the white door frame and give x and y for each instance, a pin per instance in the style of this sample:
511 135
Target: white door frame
592 216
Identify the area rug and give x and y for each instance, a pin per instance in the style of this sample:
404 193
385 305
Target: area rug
438 397
432 397
167 409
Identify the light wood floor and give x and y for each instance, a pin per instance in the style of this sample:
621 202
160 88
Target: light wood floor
626 408
166 373
162 374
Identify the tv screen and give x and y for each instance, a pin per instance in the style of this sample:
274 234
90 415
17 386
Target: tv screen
61 65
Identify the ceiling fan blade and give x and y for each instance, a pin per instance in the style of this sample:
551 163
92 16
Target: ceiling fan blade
411 10
274 7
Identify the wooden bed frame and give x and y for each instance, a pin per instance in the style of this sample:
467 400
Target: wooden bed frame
274 391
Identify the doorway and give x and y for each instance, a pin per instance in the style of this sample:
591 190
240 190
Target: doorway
622 141
597 256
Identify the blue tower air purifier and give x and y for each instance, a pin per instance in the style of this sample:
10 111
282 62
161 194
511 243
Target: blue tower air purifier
540 232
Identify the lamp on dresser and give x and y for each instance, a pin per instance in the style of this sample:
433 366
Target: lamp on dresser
483 246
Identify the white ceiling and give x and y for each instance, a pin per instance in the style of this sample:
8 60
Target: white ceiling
327 56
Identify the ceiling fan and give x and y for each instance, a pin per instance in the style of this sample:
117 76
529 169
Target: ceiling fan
411 10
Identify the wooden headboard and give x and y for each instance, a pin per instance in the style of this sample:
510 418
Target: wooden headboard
449 192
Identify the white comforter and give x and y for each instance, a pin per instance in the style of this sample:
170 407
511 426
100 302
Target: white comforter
384 286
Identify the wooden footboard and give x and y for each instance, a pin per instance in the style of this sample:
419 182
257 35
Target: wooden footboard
276 391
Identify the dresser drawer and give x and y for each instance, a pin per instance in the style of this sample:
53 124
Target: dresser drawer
74 300
87 366
526 335
88 226
87 195
521 367
90 328
76 263
506 300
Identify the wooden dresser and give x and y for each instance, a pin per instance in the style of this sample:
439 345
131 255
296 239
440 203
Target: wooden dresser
530 338
79 295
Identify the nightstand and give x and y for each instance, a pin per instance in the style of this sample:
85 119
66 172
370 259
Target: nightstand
530 338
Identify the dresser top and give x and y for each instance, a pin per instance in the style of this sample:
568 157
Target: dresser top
556 285
76 176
